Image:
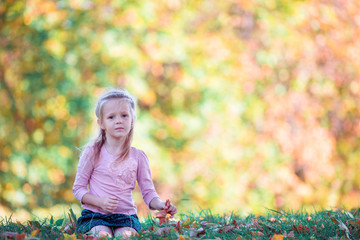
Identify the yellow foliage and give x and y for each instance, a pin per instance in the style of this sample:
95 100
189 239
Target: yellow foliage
255 96
56 176
55 47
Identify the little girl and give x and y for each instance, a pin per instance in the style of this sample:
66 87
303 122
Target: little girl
110 167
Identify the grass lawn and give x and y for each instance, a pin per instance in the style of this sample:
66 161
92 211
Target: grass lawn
331 224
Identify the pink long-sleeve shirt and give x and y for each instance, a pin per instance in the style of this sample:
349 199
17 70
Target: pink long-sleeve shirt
105 180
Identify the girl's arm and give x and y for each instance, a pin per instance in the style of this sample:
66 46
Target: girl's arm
83 174
147 186
144 179
108 204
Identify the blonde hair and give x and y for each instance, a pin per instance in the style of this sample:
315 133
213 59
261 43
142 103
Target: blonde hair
99 141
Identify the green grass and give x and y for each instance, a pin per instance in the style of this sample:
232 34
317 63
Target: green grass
334 224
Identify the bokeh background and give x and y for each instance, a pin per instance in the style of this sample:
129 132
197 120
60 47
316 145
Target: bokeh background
243 105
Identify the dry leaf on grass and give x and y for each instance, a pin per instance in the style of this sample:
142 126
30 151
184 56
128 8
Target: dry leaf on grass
163 231
196 232
162 214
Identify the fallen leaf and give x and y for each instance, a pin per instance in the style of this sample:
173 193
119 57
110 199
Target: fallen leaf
34 233
278 237
70 237
257 234
161 215
228 228
16 235
6 235
20 236
181 237
300 228
187 222
163 231
234 223
291 234
89 237
203 223
207 224
196 232
176 225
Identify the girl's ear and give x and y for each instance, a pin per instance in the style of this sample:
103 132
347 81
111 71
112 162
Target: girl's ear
100 124
132 123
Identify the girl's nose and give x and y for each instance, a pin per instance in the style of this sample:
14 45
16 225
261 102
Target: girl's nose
118 119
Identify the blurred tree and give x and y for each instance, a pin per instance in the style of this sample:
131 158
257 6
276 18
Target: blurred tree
253 104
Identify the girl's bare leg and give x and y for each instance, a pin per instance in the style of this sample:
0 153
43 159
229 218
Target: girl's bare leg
125 232
101 231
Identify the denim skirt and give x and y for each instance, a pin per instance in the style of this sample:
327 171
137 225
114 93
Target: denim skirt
90 219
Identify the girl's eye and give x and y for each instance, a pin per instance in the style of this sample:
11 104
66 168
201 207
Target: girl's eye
111 117
124 115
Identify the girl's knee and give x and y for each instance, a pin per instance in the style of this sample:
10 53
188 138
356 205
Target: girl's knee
125 232
101 231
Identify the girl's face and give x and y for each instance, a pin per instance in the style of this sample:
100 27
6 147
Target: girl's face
116 119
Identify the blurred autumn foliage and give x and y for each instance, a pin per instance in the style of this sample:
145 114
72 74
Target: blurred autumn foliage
243 105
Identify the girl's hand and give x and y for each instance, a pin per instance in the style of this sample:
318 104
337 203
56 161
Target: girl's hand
109 204
165 208
169 208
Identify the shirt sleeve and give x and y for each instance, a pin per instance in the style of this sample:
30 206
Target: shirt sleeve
145 180
83 173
